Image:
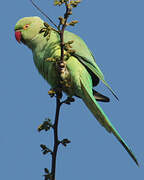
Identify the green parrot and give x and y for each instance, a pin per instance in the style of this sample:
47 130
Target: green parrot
82 71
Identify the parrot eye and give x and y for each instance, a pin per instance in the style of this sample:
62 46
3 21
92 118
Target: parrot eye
26 26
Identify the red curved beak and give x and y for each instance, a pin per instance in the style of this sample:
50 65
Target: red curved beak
18 36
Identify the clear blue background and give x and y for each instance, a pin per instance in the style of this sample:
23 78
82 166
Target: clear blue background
114 31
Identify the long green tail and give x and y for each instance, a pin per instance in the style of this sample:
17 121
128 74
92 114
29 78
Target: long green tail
97 111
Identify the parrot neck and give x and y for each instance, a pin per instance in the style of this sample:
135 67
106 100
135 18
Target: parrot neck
38 41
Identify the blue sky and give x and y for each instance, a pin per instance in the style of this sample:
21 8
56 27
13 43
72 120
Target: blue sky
113 30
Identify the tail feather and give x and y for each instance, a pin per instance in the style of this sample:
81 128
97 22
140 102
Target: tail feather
97 111
100 97
117 135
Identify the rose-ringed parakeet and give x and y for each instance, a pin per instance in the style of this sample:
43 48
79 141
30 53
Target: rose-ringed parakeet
82 70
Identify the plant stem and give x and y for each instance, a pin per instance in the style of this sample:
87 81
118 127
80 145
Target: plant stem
56 140
62 32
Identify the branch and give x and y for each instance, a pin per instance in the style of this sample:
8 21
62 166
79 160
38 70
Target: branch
68 12
58 96
56 140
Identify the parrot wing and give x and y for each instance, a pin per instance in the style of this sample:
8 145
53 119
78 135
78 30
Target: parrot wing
84 55
95 71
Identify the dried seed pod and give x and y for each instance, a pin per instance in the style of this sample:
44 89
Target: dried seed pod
62 71
62 65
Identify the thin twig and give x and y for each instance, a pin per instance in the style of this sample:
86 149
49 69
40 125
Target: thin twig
56 140
62 32
43 13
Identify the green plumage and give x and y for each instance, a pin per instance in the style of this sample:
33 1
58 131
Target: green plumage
82 70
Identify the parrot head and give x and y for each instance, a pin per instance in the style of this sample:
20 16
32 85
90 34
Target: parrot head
27 28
